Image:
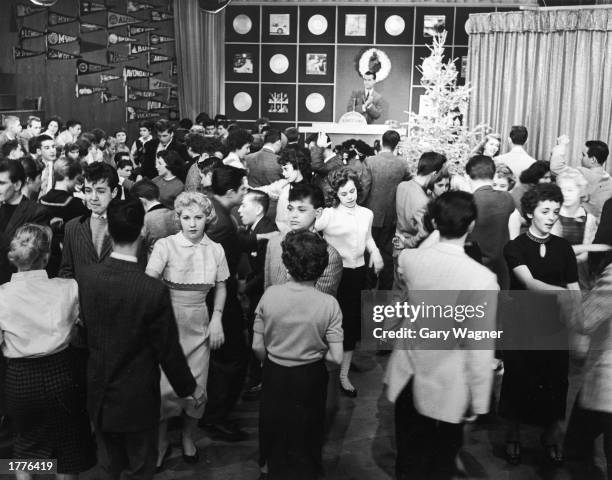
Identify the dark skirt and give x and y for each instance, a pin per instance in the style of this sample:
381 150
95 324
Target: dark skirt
292 420
46 401
349 297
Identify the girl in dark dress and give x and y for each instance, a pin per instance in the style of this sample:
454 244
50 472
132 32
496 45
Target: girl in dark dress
535 383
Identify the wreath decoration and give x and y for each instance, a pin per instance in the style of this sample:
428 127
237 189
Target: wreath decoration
376 61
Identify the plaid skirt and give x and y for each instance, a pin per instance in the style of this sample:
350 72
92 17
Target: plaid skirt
46 401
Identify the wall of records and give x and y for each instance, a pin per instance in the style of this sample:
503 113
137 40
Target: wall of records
299 64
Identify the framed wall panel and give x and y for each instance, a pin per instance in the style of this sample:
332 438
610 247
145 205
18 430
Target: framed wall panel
242 101
395 25
242 24
278 102
461 16
317 24
356 25
316 103
279 24
431 19
317 63
242 62
278 63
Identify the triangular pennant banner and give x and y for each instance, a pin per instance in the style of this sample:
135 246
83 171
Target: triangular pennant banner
57 38
130 73
115 57
136 30
157 16
91 7
53 54
86 90
114 39
172 94
85 68
158 58
26 33
157 105
173 69
157 84
60 19
91 27
213 6
107 77
155 39
138 48
133 6
135 114
108 98
133 94
115 20
19 52
90 46
22 10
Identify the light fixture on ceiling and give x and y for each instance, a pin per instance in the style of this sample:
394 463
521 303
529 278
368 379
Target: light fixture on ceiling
43 3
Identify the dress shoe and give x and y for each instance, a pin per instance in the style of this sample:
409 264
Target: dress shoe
225 432
191 459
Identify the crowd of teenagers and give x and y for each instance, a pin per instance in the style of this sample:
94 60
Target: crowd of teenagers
170 275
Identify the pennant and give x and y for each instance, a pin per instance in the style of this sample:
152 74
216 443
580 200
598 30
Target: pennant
90 27
115 57
90 46
86 90
23 10
155 39
60 19
91 7
213 6
130 73
85 68
133 94
109 77
157 84
173 69
173 114
135 114
53 54
114 39
115 20
136 30
19 53
172 93
158 58
157 105
108 98
158 16
133 6
138 48
26 33
57 38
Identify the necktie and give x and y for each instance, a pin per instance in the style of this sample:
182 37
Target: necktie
98 232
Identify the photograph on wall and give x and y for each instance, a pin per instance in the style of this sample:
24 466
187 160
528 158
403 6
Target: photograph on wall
355 25
279 24
316 64
433 24
243 63
278 102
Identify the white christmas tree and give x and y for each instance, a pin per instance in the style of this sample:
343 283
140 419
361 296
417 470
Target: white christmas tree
439 125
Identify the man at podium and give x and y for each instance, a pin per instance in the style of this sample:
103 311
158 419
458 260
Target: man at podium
366 101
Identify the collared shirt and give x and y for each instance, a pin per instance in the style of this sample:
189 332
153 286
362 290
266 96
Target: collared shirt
233 160
179 261
125 258
37 314
269 149
98 216
517 159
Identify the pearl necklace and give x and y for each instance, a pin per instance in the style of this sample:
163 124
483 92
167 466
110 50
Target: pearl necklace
540 240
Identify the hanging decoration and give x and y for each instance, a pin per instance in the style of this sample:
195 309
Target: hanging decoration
157 105
157 84
138 48
133 114
131 73
19 53
54 19
137 30
133 94
58 38
158 58
134 6
26 33
54 54
86 90
87 47
155 39
159 16
91 7
109 77
114 20
85 68
22 10
106 97
91 27
114 39
116 57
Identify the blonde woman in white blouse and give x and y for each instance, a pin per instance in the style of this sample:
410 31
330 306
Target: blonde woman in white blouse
190 264
348 228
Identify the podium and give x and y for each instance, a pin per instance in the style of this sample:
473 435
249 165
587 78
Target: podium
340 132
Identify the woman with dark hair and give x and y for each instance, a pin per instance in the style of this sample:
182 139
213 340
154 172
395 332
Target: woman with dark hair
44 393
53 127
348 228
538 172
32 185
296 329
490 146
535 383
144 149
169 165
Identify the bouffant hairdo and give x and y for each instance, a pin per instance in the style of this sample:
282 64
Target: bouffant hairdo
187 199
504 171
30 247
542 192
340 177
574 176
304 255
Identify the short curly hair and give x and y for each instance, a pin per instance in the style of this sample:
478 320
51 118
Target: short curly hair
340 177
535 172
30 247
187 199
504 171
542 192
304 255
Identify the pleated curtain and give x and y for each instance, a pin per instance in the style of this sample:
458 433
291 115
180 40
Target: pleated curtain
550 70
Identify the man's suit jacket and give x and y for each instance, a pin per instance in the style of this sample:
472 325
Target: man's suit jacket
374 105
447 383
386 172
145 157
130 331
159 222
255 279
79 250
263 168
26 212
